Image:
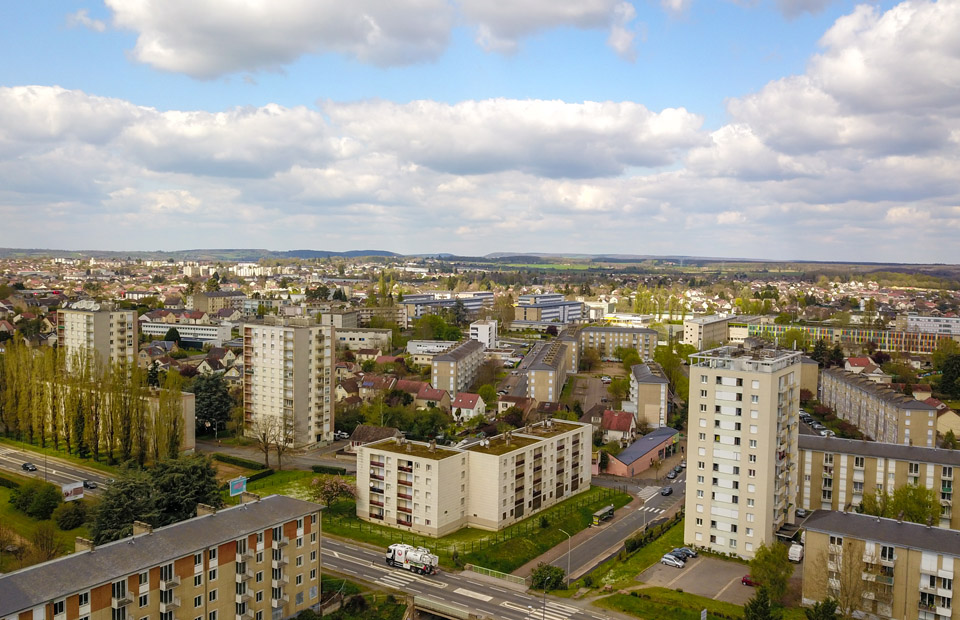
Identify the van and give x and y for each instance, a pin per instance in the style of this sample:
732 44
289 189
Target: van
796 553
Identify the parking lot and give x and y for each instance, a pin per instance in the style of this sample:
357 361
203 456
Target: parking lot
704 576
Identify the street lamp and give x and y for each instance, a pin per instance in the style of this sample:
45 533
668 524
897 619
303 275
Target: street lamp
569 539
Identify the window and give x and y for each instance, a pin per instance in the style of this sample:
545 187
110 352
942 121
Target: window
699 479
299 580
701 465
259 577
752 458
258 596
313 574
212 615
703 393
827 495
197 559
750 502
754 399
144 577
83 599
198 600
751 473
313 556
212 576
703 378
887 553
197 581
213 553
858 462
300 539
145 599
753 443
213 595
299 560
59 607
836 540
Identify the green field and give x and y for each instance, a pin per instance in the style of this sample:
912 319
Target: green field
24 527
292 482
623 573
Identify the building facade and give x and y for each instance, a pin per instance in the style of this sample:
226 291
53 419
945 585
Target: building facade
742 447
930 324
97 330
706 331
547 372
455 369
607 339
288 379
358 338
490 484
214 334
878 410
485 332
256 561
649 395
215 301
881 568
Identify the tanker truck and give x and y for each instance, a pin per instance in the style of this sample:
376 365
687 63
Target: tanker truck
416 559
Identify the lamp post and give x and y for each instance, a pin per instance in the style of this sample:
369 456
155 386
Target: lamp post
569 539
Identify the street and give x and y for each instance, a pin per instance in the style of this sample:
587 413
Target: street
474 594
53 470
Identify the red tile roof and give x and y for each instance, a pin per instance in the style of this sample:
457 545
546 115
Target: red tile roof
465 400
617 421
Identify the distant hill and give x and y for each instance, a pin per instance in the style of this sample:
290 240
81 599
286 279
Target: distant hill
251 255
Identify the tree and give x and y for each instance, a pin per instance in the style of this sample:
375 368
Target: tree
70 515
590 359
45 543
328 489
547 577
820 353
836 356
771 567
264 430
910 502
130 498
824 610
174 335
619 388
489 394
950 440
950 379
212 285
153 374
946 348
213 401
180 484
760 607
795 339
842 578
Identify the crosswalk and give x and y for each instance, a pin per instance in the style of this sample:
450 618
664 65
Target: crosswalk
397 580
647 492
552 610
651 509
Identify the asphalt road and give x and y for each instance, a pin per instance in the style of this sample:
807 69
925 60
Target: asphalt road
53 470
597 548
463 590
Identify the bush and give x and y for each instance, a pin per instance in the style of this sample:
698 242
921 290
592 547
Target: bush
36 498
327 469
355 604
70 515
544 522
8 483
261 474
236 460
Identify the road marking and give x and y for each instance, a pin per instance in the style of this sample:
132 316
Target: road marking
553 611
472 594
724 589
334 554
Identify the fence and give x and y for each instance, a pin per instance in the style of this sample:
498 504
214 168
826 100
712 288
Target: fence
489 572
529 527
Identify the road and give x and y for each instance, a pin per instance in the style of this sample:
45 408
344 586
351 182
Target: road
291 460
515 383
591 552
474 594
53 470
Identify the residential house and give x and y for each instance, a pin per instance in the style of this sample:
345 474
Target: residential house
430 397
372 385
467 406
365 355
620 426
365 433
347 388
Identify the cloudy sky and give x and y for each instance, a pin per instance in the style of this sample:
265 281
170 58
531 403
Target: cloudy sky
783 129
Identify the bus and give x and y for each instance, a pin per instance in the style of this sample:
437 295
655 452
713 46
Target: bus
602 515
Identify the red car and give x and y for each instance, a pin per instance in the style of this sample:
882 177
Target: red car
747 580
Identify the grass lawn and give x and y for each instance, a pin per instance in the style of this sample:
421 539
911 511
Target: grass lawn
620 574
504 551
664 603
24 526
61 454
292 482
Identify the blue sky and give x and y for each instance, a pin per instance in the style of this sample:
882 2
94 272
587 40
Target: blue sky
772 129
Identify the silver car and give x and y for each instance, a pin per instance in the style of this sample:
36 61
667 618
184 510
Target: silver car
671 560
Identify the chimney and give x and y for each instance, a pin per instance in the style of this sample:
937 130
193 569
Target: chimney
205 509
83 544
433 445
139 527
247 496
409 448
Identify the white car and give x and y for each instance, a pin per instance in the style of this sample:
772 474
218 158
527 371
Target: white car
337 435
673 561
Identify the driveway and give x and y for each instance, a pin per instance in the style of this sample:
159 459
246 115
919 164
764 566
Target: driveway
590 391
705 576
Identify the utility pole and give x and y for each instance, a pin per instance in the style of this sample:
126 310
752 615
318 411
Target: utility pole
569 539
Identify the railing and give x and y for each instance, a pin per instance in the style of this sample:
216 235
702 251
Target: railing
170 605
404 509
172 582
280 602
374 515
404 468
374 502
885 579
404 496
376 476
280 542
489 572
518 488
376 464
116 602
376 490
406 483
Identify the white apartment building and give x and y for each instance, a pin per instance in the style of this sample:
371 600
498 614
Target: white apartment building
287 384
484 332
490 484
706 331
216 335
931 324
742 447
96 329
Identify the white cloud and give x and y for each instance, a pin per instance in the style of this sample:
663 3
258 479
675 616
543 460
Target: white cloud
82 19
676 7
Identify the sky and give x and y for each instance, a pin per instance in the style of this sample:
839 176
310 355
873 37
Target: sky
776 129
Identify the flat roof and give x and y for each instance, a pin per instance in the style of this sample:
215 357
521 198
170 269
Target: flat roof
879 449
413 448
459 351
877 529
499 445
83 570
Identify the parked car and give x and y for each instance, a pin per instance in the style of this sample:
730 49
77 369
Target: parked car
689 551
827 433
670 560
683 464
341 435
747 580
817 426
28 467
678 469
671 475
666 491
89 484
801 513
681 553
606 380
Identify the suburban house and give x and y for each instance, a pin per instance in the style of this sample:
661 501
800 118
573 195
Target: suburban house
429 397
618 426
466 406
372 385
364 355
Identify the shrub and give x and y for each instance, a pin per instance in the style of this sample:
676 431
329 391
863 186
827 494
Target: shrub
544 522
355 604
261 474
327 469
8 483
236 460
36 498
70 515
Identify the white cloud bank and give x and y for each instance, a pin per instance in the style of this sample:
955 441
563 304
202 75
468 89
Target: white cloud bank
857 158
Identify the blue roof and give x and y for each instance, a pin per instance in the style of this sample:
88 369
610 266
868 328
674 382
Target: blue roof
646 444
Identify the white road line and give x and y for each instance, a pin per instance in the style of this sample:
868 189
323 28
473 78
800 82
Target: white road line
472 594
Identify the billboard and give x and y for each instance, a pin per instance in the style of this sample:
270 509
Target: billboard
72 491
238 486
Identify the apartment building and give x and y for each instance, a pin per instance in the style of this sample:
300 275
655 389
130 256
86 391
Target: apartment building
485 332
216 335
836 473
706 331
287 384
493 483
340 318
912 322
547 372
883 568
356 338
455 369
649 398
742 447
255 561
878 410
90 328
547 309
391 314
607 339
892 340
215 301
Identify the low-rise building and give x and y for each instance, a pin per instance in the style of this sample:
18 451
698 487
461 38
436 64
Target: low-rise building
644 453
359 338
706 332
215 335
493 483
467 406
260 559
214 301
341 319
607 339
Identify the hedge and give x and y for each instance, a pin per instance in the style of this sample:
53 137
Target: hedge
7 482
239 462
327 469
260 474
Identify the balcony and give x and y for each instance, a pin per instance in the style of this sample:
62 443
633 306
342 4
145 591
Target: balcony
169 584
279 602
374 515
404 495
283 561
405 483
284 580
405 468
947 489
376 490
519 474
376 464
116 602
245 556
885 579
374 502
405 510
244 575
246 615
170 606
376 477
519 488
280 543
927 607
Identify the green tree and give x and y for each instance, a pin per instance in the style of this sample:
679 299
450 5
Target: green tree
915 503
590 359
180 484
950 379
70 515
619 388
795 338
950 440
489 395
820 353
153 375
173 335
771 567
329 489
130 498
213 401
760 607
946 347
44 542
547 577
212 285
823 610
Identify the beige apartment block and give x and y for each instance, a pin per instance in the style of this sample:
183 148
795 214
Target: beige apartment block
649 395
489 484
287 384
455 369
607 339
547 372
877 410
391 314
255 561
356 338
836 473
215 301
340 319
742 447
706 331
89 328
881 568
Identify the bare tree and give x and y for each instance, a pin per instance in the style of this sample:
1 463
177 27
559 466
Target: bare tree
283 438
46 545
843 578
264 431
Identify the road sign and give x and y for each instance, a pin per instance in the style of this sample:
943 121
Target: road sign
238 486
703 614
72 491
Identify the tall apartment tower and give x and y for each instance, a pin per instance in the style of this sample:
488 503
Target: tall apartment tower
288 379
742 447
87 327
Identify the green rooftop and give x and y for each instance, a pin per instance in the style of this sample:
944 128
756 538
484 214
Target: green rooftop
557 428
499 446
413 448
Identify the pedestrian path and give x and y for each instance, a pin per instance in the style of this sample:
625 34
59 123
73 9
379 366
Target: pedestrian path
648 492
551 611
650 509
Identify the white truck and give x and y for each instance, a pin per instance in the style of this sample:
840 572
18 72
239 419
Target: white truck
416 559
795 554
